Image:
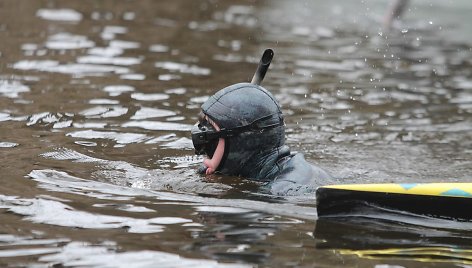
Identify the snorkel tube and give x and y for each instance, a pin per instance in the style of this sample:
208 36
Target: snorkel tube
263 67
204 133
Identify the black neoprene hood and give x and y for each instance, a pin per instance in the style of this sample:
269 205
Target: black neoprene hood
252 106
241 104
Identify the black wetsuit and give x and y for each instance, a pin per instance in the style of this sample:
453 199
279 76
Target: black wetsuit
296 176
285 173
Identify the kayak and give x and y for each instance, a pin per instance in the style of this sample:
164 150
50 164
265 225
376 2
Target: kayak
439 200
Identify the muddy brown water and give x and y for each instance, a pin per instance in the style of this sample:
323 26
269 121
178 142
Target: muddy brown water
97 98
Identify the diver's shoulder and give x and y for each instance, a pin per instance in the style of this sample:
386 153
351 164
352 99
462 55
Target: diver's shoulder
308 169
297 176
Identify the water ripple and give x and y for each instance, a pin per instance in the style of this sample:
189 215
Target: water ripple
71 68
64 14
149 97
47 118
103 101
109 32
133 76
125 61
121 44
53 212
146 112
105 51
68 41
80 254
116 90
118 137
12 89
155 125
158 48
183 68
5 144
104 111
182 143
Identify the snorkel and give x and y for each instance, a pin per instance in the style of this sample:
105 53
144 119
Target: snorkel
209 138
263 66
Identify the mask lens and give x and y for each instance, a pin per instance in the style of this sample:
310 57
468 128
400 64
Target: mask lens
200 140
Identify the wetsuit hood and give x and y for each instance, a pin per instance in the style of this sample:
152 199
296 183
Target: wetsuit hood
262 143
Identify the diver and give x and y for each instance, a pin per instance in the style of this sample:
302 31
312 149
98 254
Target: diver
241 130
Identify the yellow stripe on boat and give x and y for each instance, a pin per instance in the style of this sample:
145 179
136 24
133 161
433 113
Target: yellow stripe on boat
463 190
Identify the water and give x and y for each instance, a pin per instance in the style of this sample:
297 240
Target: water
96 100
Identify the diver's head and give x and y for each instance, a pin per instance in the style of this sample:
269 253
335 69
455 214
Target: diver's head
239 124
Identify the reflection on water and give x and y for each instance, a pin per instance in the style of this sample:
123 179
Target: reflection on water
86 255
97 98
396 237
428 255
